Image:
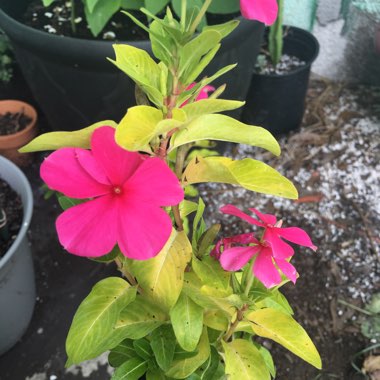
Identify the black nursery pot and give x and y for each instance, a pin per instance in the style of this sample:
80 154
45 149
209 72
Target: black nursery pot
277 102
76 86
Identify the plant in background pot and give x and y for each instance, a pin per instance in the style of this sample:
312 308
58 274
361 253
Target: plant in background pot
18 126
74 84
276 97
183 307
17 286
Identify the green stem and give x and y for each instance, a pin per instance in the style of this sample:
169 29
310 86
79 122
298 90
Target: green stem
200 15
275 39
183 14
73 17
239 317
250 278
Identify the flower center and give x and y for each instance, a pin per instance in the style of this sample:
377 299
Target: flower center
117 190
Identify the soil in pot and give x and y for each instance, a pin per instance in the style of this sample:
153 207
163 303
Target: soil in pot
11 213
287 64
13 122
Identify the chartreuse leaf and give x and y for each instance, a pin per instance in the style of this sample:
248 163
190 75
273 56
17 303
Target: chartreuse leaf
139 319
267 358
224 29
163 343
275 300
210 106
187 207
187 321
162 276
132 369
244 362
215 319
137 128
224 128
283 329
121 353
182 368
251 174
56 140
93 323
141 68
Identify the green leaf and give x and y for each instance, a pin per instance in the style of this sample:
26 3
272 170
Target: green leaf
251 174
187 207
198 225
207 239
139 319
209 368
155 375
56 140
46 3
163 343
182 368
132 369
224 128
156 6
121 353
137 139
267 358
100 14
143 349
162 276
109 257
141 68
215 319
224 29
94 321
275 300
244 361
66 202
283 329
132 4
187 320
91 4
224 7
210 106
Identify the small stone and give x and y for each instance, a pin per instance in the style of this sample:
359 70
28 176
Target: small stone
109 35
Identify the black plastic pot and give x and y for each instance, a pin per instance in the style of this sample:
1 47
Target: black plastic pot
76 86
277 102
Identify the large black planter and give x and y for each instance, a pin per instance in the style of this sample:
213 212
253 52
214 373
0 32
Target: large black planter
277 102
76 86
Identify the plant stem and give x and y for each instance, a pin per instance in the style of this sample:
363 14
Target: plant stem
275 39
73 17
125 273
200 15
239 318
249 279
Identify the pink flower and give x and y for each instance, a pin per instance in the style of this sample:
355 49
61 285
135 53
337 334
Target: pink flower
127 191
272 249
261 10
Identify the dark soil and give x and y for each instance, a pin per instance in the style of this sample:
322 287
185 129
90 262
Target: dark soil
11 123
287 64
11 213
55 19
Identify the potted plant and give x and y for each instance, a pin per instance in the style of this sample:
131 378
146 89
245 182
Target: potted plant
17 127
276 97
17 287
72 81
184 305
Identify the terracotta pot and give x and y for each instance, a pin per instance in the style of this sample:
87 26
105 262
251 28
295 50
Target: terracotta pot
9 144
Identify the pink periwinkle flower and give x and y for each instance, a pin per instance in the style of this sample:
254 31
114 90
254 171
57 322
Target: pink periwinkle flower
270 251
127 192
262 10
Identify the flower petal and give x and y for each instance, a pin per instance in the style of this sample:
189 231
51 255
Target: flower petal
232 210
62 172
265 270
281 250
287 269
89 229
297 236
118 163
233 259
261 10
266 218
143 230
91 166
153 182
204 92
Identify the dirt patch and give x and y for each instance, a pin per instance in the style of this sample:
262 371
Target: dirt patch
287 64
334 162
11 213
13 122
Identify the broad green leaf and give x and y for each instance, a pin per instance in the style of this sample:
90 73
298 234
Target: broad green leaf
121 353
91 4
56 140
137 128
267 359
46 3
199 225
224 29
187 321
244 362
163 343
180 369
187 207
156 6
283 329
132 369
275 300
200 152
100 14
209 368
66 202
224 128
155 375
224 7
141 68
162 276
212 274
251 174
207 239
210 106
95 319
216 320
139 319
142 348
132 4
